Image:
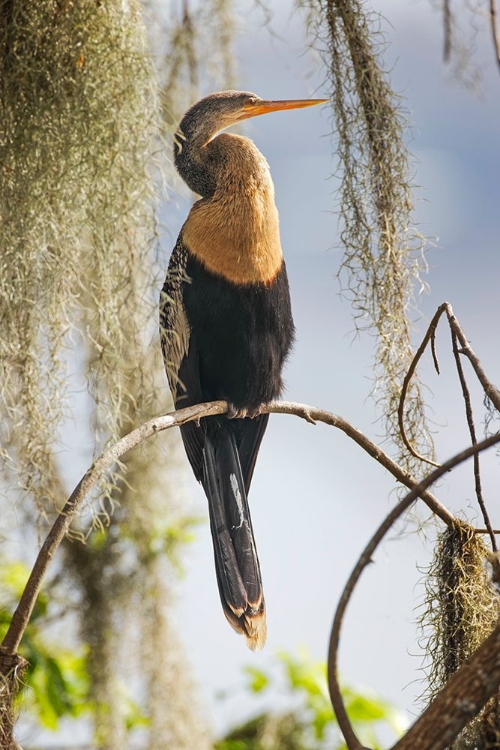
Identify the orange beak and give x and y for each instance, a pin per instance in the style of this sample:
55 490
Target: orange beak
264 106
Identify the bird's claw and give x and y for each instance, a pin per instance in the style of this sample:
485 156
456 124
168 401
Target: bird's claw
234 413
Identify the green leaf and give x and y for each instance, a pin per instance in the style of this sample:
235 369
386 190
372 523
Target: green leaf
259 680
311 724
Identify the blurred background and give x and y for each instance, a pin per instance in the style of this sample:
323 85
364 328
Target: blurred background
136 606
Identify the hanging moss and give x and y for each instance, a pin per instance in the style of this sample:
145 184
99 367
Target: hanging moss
461 610
185 67
383 251
78 141
78 100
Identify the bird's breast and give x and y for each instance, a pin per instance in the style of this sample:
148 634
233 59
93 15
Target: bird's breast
236 235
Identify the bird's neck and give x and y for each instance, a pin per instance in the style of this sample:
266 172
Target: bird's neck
190 157
235 232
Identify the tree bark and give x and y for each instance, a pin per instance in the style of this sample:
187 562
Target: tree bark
463 696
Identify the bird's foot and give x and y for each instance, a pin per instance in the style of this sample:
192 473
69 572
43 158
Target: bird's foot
234 413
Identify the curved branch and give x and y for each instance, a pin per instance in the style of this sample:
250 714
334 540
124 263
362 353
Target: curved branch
472 432
22 614
494 29
365 558
490 390
311 414
430 335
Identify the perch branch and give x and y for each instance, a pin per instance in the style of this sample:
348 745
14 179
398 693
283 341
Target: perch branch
22 614
319 415
365 558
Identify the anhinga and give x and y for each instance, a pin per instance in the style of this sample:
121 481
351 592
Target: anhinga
226 328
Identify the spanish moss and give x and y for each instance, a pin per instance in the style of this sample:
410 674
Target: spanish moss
76 213
461 609
383 251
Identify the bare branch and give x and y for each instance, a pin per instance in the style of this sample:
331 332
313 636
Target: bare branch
418 490
494 29
472 432
490 390
24 609
21 616
429 336
447 30
311 413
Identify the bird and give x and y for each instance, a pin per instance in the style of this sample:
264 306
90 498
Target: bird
226 328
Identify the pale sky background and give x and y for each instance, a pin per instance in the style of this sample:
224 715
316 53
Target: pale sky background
316 498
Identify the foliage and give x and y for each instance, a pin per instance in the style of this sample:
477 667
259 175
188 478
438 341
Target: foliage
310 723
56 679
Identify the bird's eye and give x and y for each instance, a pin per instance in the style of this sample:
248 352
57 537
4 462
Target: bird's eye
251 101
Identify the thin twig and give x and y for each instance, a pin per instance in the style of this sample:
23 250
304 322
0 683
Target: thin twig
447 30
434 353
365 558
61 525
319 415
472 431
494 29
429 336
490 390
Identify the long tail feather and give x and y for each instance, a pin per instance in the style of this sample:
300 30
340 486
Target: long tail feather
236 561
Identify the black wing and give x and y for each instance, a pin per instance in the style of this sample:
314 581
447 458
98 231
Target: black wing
185 373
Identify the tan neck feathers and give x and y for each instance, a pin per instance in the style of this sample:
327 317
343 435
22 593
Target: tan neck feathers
235 233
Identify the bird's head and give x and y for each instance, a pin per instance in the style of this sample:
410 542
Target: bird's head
219 111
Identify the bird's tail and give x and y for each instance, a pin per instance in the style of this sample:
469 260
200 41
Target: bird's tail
236 561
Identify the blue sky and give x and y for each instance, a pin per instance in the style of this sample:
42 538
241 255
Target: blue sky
316 498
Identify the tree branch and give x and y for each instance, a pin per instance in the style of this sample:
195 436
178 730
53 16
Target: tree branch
352 741
463 696
429 335
472 432
311 414
22 614
494 29
490 390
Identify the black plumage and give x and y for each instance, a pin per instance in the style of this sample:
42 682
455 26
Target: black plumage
227 328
